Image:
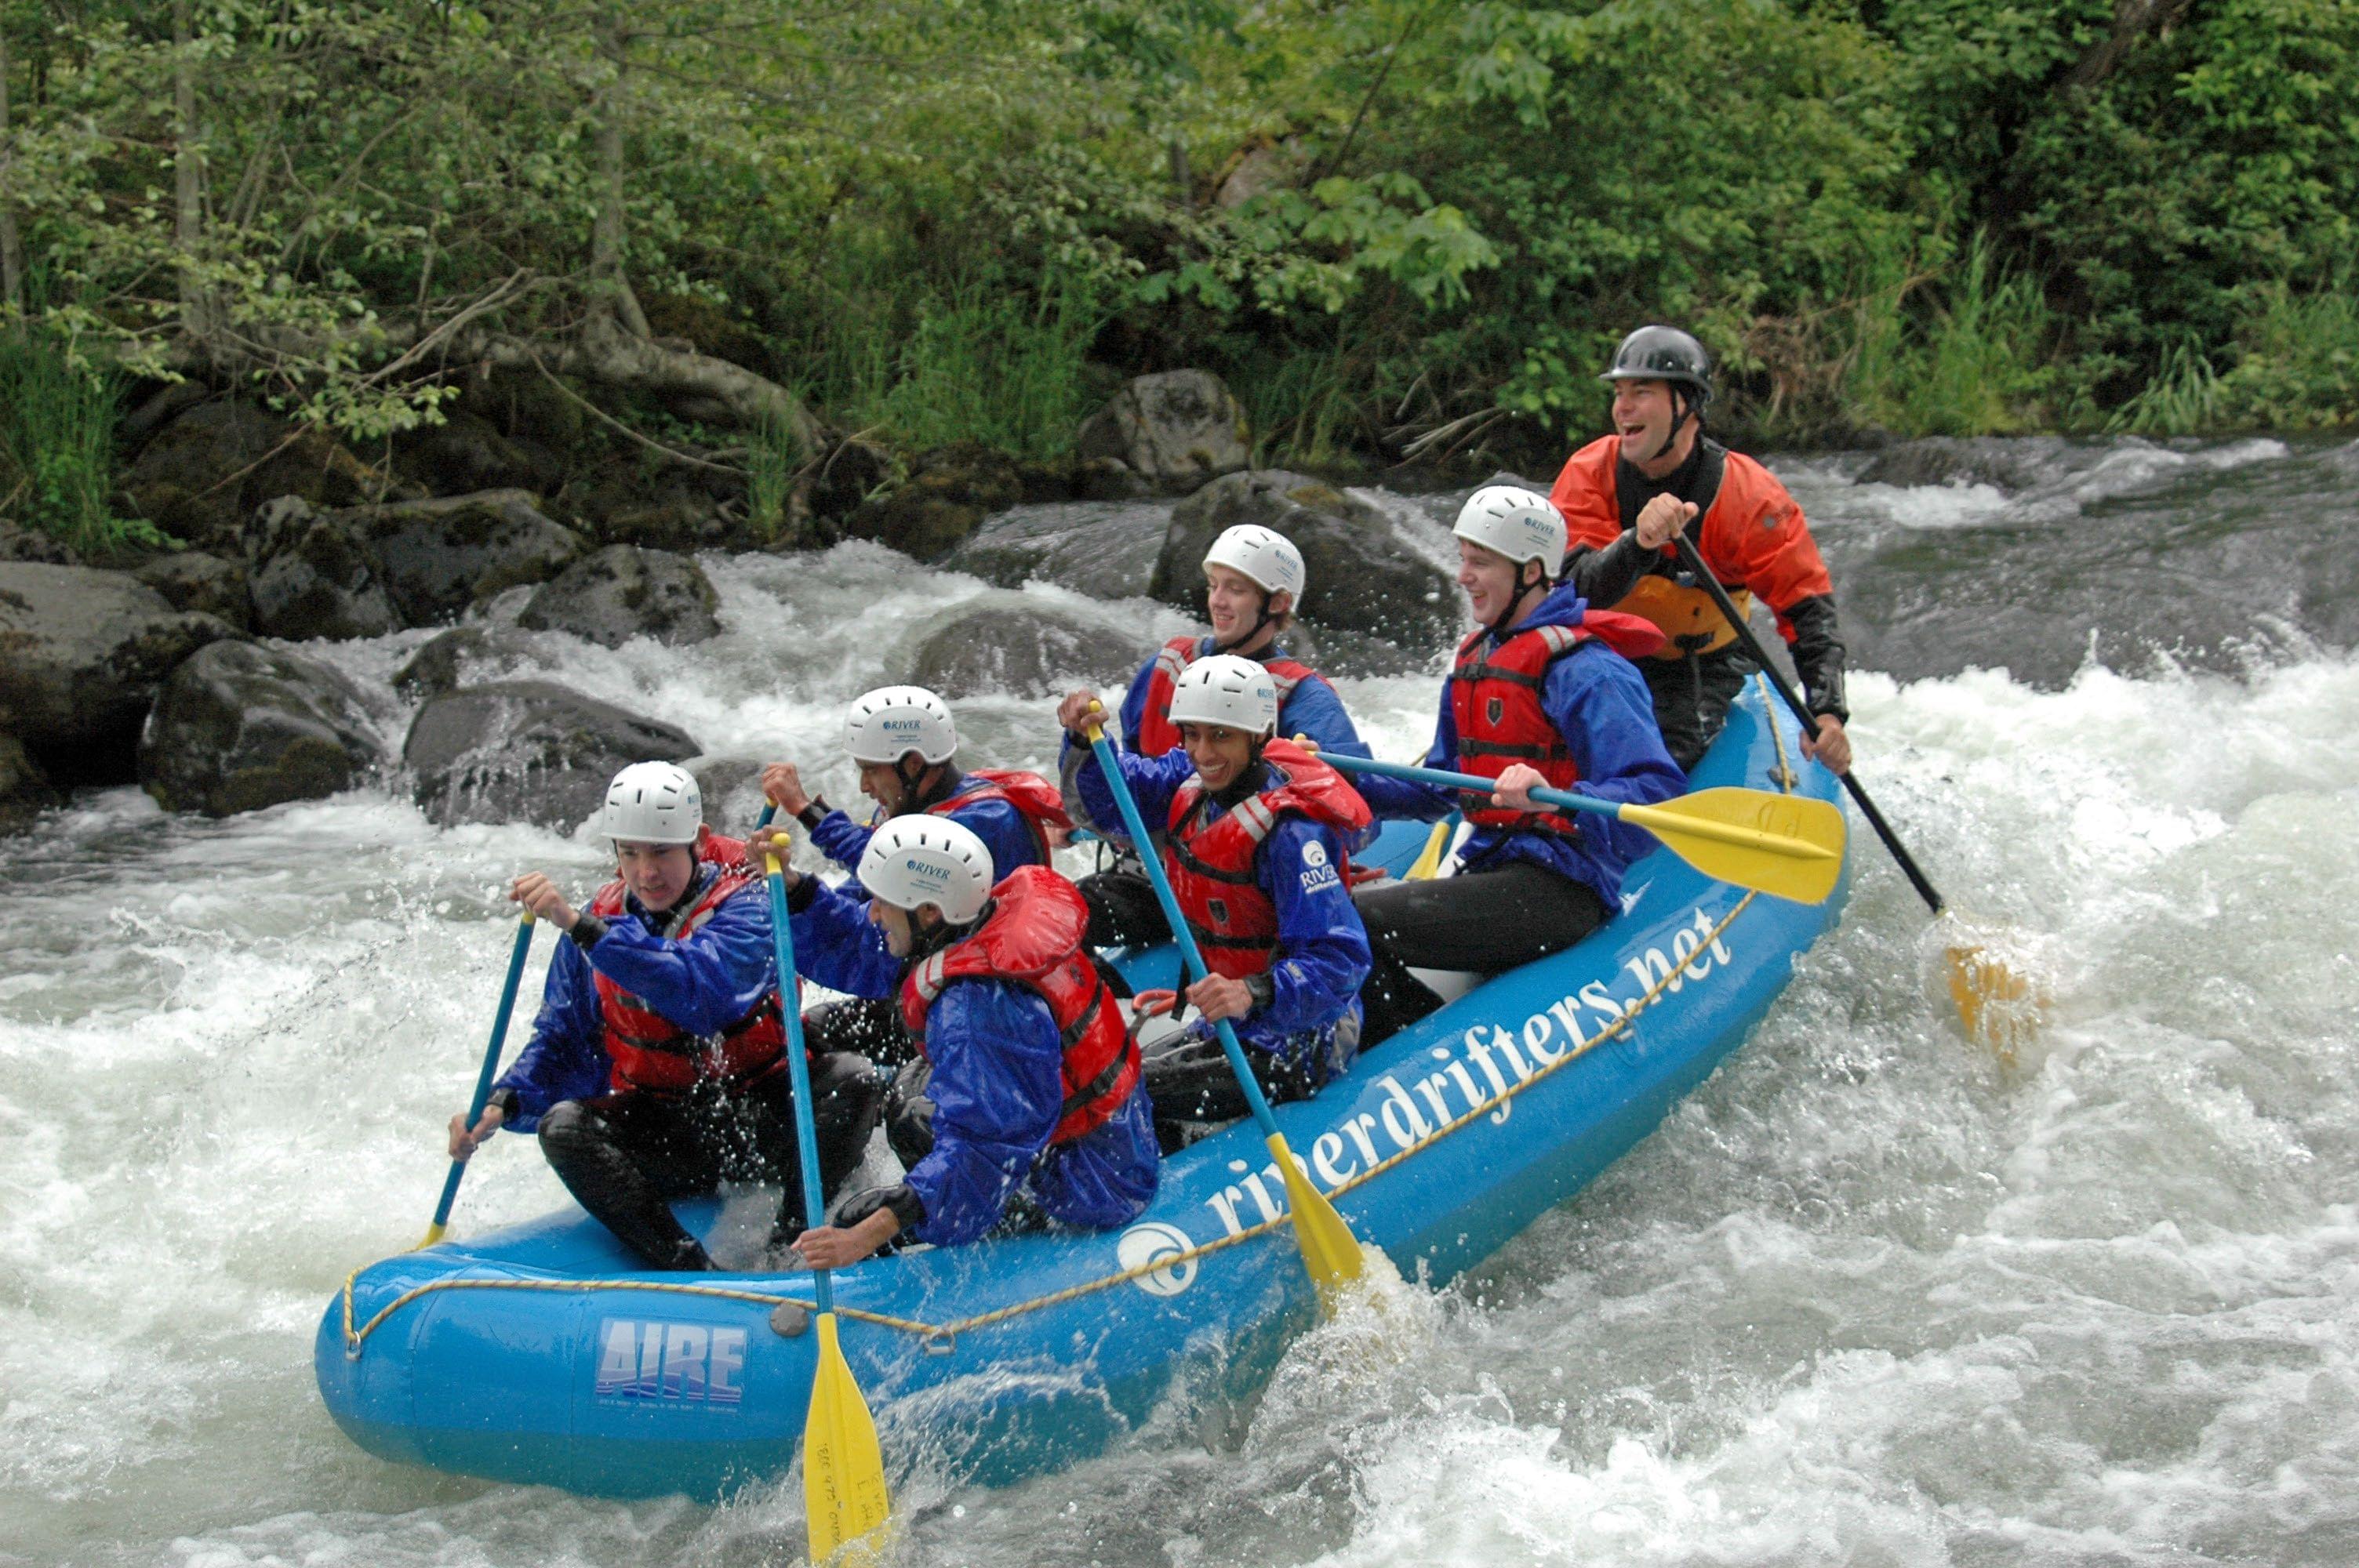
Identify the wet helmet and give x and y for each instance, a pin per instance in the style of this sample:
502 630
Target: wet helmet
1521 524
1222 688
888 724
652 802
1664 353
1261 555
914 861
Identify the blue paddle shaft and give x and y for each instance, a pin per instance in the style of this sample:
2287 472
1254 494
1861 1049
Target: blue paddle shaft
522 945
806 1136
1188 953
1563 799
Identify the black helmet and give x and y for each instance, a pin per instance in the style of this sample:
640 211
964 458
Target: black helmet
1664 353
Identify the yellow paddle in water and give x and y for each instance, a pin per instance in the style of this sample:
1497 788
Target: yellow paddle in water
1330 1252
844 1468
1998 1005
1788 845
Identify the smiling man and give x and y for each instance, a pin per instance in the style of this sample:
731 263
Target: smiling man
1626 496
1256 839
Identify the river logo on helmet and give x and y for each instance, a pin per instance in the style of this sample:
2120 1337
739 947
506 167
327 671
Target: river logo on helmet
939 876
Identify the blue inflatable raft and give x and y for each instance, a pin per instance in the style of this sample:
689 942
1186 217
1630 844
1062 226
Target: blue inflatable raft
536 1355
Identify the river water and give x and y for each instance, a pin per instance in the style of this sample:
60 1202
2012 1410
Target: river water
1869 1297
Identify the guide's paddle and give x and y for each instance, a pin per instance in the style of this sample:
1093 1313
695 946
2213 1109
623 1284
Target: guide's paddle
483 1079
1997 1005
844 1468
1330 1252
1428 863
1788 845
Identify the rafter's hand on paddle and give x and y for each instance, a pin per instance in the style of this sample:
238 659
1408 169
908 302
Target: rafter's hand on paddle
1662 520
1514 789
1075 712
1218 997
782 786
465 1142
830 1246
773 841
539 895
1831 745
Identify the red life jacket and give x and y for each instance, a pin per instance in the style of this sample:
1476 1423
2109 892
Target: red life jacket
1035 799
649 1050
1495 701
1211 864
1156 734
1032 935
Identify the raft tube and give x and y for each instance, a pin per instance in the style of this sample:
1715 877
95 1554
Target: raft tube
538 1355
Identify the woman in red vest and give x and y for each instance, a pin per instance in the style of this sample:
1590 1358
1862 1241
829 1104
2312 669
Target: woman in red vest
1542 693
657 1065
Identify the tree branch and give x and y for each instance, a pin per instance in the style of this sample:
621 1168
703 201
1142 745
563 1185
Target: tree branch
2133 21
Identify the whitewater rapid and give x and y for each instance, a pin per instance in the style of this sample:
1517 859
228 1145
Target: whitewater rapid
1868 1297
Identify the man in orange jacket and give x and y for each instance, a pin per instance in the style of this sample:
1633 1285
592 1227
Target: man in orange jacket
1626 496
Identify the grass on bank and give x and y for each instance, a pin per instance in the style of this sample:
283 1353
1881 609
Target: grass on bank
57 447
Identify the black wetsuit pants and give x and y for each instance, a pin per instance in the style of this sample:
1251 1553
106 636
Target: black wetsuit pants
1188 1080
1123 909
625 1156
1487 921
1692 697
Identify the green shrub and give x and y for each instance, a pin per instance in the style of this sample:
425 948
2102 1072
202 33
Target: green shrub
56 445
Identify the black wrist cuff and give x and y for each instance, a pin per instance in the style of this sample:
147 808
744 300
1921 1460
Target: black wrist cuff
586 932
799 896
504 1100
907 1206
1262 989
813 813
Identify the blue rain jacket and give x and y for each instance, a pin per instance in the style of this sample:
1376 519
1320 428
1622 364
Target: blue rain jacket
703 985
1599 702
998 1090
1322 949
997 823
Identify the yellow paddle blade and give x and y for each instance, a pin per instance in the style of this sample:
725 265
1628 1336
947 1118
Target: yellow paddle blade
433 1234
1790 846
2001 1004
1329 1250
843 1468
1428 860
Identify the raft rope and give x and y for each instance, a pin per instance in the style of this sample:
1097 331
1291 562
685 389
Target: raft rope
944 1336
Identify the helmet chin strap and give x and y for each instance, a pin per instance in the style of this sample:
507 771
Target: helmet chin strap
1261 619
1682 409
909 782
1507 617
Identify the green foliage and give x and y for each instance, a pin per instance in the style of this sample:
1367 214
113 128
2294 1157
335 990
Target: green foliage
772 460
2297 363
57 447
1974 358
1003 368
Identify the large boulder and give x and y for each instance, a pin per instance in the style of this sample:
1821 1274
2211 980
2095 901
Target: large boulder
1106 550
202 474
949 491
1364 577
82 653
31 544
25 791
314 574
445 661
240 726
1175 430
192 579
465 454
624 591
1027 651
437 557
527 750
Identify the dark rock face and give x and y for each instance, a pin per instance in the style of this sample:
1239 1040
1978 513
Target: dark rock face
443 664
623 592
32 545
25 791
528 751
1175 430
467 453
436 558
206 584
82 653
950 492
314 575
2009 465
1363 578
1104 550
1028 650
240 726
204 472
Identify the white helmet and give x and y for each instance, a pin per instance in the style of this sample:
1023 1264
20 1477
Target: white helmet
929 859
652 802
890 722
1263 556
1222 688
1521 524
